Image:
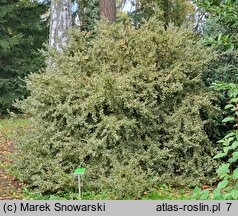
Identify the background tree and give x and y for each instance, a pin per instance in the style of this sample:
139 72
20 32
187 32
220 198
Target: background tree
175 11
88 14
108 9
60 21
22 33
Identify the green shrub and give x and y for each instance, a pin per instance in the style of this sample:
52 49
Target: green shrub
127 104
221 33
227 172
224 65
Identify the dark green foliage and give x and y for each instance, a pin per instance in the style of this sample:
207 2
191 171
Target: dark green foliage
172 11
222 68
228 170
221 34
227 188
129 105
88 12
21 35
225 14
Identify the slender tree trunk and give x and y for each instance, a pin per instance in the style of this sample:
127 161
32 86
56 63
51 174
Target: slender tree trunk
137 5
166 13
108 9
60 21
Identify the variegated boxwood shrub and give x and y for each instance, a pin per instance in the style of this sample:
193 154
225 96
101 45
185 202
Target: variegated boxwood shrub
128 104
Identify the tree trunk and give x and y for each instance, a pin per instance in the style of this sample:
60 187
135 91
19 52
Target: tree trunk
137 5
60 21
166 13
108 9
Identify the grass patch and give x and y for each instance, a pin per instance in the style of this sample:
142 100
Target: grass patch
8 126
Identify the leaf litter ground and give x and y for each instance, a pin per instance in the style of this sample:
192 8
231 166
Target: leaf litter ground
10 187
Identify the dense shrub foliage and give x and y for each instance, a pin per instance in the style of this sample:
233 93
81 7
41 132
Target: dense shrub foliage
223 68
221 34
177 12
224 65
128 104
227 188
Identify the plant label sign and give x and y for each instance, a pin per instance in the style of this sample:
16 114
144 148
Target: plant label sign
78 172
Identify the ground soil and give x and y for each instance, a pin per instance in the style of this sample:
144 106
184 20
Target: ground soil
9 186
